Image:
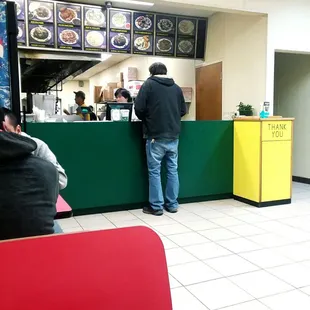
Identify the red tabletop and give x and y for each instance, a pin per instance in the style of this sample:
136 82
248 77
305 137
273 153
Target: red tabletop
118 269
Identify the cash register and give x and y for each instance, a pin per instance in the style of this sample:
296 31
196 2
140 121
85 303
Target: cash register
119 112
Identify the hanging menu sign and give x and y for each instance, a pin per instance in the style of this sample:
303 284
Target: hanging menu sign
20 9
21 35
165 35
74 27
95 32
41 24
120 31
69 33
202 27
143 33
20 15
186 37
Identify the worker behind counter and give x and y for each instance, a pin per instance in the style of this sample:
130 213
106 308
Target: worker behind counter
122 95
83 110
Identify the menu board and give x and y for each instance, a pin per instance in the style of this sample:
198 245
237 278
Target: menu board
71 26
165 35
201 38
21 35
69 31
143 33
120 31
41 24
20 9
186 37
95 32
20 15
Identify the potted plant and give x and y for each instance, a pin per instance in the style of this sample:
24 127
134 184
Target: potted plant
245 109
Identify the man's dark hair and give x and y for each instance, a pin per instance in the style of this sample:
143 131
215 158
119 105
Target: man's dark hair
1 119
124 93
80 94
11 116
158 68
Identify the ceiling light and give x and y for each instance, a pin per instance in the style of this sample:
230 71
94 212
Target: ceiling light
105 56
134 2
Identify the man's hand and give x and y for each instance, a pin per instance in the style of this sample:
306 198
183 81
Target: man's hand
66 112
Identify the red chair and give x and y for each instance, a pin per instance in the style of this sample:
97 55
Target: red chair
118 269
62 208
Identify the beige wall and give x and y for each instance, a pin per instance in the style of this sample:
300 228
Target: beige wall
183 72
287 30
291 98
240 42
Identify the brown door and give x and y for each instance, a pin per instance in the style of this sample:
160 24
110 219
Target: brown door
209 92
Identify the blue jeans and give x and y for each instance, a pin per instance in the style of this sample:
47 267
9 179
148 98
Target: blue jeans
57 228
156 152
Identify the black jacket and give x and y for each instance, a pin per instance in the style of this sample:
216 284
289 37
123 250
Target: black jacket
160 105
28 189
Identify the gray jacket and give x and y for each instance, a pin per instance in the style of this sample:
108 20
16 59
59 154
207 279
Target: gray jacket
44 152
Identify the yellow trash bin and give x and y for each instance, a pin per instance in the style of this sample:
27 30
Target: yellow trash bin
263 160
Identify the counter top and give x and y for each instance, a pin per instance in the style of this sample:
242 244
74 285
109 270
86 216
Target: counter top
258 119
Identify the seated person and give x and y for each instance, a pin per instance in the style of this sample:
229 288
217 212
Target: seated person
42 149
29 188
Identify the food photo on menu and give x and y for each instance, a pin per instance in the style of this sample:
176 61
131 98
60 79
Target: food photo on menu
20 9
21 35
68 14
69 37
41 11
143 22
95 39
120 42
165 24
165 45
43 35
186 47
120 20
187 27
94 17
143 43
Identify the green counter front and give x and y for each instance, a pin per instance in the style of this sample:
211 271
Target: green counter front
106 164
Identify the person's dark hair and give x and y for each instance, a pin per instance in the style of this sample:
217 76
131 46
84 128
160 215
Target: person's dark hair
91 108
12 117
124 93
1 119
158 68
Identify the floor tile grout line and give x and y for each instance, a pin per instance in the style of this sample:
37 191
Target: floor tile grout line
226 307
196 298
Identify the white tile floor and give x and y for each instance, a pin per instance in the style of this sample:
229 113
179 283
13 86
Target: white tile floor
228 255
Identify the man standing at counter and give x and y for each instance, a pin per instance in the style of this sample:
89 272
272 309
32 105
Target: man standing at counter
160 105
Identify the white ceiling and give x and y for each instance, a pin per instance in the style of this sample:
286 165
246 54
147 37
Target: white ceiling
113 60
